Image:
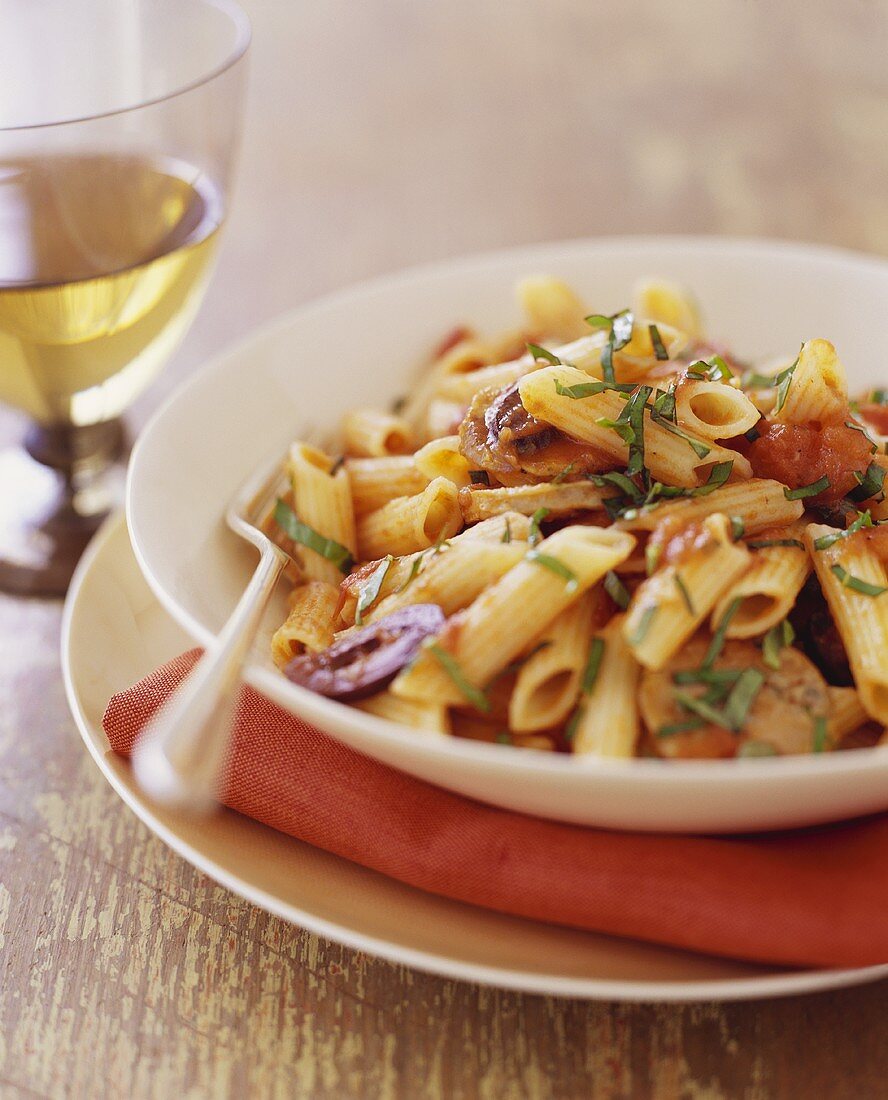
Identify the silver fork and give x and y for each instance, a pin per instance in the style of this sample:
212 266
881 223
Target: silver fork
178 757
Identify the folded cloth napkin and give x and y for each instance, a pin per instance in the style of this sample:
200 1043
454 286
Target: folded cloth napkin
815 897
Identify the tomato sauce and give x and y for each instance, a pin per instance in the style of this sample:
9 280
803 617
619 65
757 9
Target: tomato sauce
799 454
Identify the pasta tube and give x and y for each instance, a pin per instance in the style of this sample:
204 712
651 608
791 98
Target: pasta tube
846 712
513 612
767 591
323 502
758 503
368 433
667 303
855 585
548 681
411 523
427 716
559 500
376 481
818 387
669 457
669 606
442 458
309 624
607 722
551 307
714 410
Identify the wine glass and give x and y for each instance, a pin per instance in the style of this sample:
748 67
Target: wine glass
118 132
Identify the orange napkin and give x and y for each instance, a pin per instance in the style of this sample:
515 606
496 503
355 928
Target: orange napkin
815 897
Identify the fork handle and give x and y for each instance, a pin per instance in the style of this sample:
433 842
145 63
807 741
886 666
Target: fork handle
179 756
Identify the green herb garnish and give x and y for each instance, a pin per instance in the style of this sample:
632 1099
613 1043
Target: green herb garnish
776 639
860 428
559 477
617 591
685 595
554 566
652 554
687 725
718 475
657 343
856 584
635 416
718 638
664 404
761 544
449 663
877 397
536 519
783 380
751 749
542 353
415 567
370 589
699 448
868 484
804 491
507 533
738 528
864 519
337 466
306 536
593 664
644 625
820 735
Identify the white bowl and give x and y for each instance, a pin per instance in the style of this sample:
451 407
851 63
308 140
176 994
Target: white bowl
360 347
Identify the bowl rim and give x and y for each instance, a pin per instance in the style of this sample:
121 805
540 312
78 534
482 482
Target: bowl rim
335 717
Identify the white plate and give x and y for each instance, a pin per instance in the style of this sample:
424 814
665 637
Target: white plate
115 632
358 348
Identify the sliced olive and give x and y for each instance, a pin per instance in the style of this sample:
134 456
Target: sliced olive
368 659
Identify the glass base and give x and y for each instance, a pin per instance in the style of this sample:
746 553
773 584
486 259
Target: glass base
55 491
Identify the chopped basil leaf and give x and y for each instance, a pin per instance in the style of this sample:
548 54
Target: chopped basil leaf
542 353
821 734
868 484
777 637
738 528
761 544
621 482
617 591
743 695
657 342
804 491
554 566
696 375
718 638
504 738
699 448
593 664
570 729
685 726
718 475
398 405
751 749
622 427
535 520
371 587
635 416
607 364
685 595
751 380
825 541
415 567
559 477
718 369
856 584
783 380
479 477
701 707
599 320
644 625
507 533
652 553
711 676
337 466
664 405
589 389
860 428
877 397
449 663
306 536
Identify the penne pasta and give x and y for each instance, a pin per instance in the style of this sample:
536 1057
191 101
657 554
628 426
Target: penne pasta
310 623
557 500
671 458
758 504
368 433
817 387
607 722
846 712
376 481
322 500
669 606
442 458
667 303
855 585
767 591
551 307
412 523
714 410
513 612
426 716
548 681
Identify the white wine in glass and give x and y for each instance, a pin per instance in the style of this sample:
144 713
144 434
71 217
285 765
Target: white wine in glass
113 190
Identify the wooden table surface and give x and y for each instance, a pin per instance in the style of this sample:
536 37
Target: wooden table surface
382 134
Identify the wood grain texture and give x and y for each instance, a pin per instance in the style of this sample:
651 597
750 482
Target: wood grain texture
378 135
